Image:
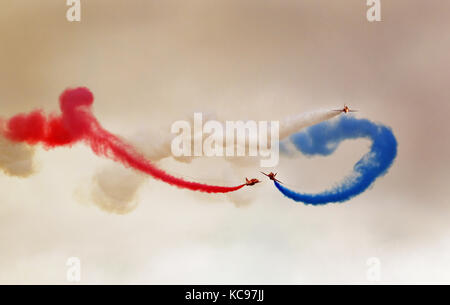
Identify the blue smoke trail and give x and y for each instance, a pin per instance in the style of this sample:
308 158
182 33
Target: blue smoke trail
324 138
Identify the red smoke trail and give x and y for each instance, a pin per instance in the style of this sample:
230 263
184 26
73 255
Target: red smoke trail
77 123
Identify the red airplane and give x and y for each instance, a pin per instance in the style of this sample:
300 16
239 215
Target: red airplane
251 181
345 110
272 176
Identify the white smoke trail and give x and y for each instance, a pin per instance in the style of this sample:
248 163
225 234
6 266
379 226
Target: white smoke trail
114 189
294 124
157 146
16 159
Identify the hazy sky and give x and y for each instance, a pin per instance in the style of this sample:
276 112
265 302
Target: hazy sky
149 63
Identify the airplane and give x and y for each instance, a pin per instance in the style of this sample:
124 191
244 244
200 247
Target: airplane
345 109
272 176
251 181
